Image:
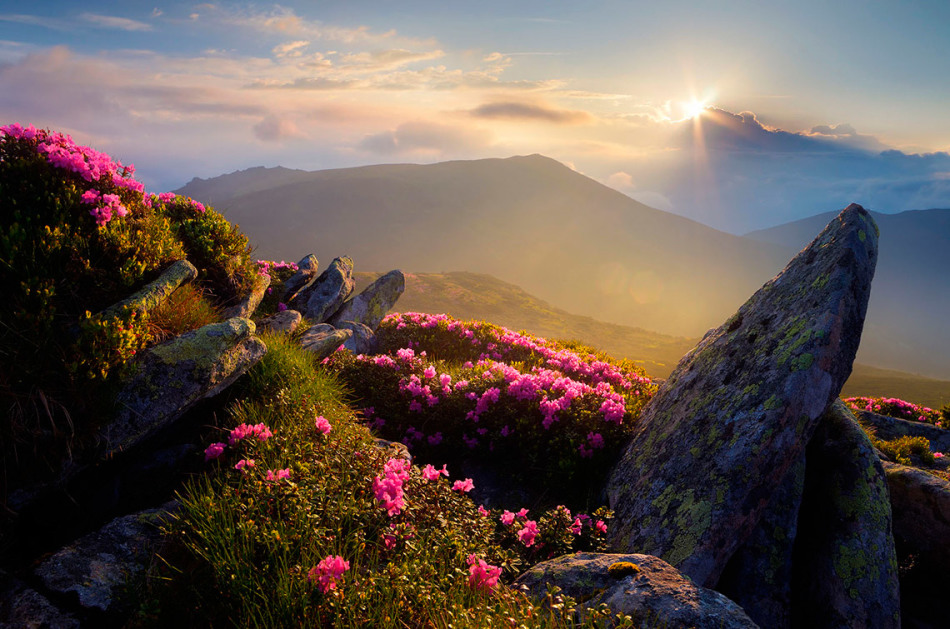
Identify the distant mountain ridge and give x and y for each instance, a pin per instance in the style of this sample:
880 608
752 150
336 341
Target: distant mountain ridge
579 245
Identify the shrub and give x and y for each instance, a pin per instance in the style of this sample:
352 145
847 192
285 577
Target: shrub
893 407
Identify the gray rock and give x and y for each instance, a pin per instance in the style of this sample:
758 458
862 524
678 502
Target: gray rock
845 564
97 567
323 339
178 273
172 376
319 301
251 301
306 272
651 591
759 575
723 431
286 322
24 608
888 428
371 305
921 508
363 340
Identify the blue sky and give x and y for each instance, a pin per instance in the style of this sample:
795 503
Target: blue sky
809 105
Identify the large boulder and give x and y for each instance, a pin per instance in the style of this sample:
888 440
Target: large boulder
845 565
648 589
363 340
323 339
723 431
173 376
97 568
246 307
321 299
180 272
285 322
372 304
301 279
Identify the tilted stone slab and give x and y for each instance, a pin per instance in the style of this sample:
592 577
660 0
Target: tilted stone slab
322 299
180 272
845 564
372 304
97 567
251 301
306 273
323 339
285 322
650 590
172 376
722 432
759 575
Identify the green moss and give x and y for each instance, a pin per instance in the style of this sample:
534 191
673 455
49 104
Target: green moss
205 345
862 236
802 362
691 520
773 403
821 281
621 569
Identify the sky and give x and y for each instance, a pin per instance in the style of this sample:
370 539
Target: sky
738 114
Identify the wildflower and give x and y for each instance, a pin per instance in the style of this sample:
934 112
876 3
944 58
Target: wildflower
244 465
482 511
938 455
429 372
281 306
600 526
482 576
214 451
528 533
431 473
280 475
435 439
507 518
323 425
464 486
326 573
576 527
388 488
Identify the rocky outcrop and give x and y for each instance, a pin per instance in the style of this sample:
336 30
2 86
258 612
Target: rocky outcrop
324 297
323 339
301 279
22 607
246 307
179 273
648 589
921 505
845 565
97 567
888 428
725 429
172 376
285 322
372 304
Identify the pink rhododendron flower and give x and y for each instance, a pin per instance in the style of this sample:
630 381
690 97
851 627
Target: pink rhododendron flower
507 518
323 425
388 487
429 372
244 464
326 573
528 534
429 472
938 455
577 526
464 486
214 451
243 431
482 576
482 511
600 526
435 439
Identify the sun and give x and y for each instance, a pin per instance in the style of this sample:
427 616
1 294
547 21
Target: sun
694 109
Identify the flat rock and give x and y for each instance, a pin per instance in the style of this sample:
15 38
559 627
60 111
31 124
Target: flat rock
650 590
301 279
324 297
173 376
323 339
372 304
723 431
251 301
180 272
845 564
285 322
888 428
363 340
96 567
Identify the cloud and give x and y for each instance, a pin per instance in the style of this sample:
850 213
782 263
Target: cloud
293 49
120 23
275 129
426 138
385 59
35 20
621 181
527 111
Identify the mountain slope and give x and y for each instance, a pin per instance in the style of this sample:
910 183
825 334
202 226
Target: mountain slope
528 220
906 325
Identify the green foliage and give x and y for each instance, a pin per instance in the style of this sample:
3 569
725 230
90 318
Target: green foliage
907 450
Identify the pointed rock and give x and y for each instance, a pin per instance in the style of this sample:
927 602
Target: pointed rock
845 565
371 305
173 376
319 301
723 431
642 586
178 273
306 272
323 339
251 301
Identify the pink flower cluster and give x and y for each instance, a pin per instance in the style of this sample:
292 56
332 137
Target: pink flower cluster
388 487
280 475
244 431
328 572
265 267
481 575
893 407
322 425
429 472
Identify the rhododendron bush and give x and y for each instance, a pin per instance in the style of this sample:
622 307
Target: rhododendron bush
533 410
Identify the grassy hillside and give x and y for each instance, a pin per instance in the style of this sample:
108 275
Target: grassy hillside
478 296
